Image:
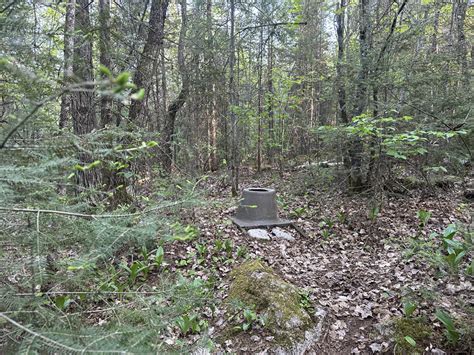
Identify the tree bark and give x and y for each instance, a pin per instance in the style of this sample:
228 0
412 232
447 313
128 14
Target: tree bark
260 102
460 9
356 147
341 91
68 61
211 106
83 110
104 48
175 106
154 41
82 103
234 164
271 119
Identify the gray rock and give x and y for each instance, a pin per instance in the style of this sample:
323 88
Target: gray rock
280 233
259 234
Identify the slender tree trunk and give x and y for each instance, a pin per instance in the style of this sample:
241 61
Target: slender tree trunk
461 48
341 91
260 102
434 36
271 118
213 164
68 61
234 164
104 47
153 42
356 147
211 106
83 110
175 106
164 86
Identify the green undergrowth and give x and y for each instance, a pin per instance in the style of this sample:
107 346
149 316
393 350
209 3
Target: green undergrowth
85 277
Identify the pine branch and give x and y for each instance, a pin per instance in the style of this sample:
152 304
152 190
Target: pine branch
50 341
91 216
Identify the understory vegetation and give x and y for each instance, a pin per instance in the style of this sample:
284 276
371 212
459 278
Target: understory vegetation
128 130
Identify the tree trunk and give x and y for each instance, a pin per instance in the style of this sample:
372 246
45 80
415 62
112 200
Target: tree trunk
211 88
271 119
260 102
356 147
434 36
234 164
82 103
112 182
68 61
104 47
175 106
142 76
461 48
341 91
83 111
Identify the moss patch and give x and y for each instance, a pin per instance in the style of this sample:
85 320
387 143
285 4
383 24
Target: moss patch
415 328
256 285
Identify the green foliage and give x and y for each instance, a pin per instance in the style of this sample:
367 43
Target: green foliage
410 340
341 217
449 254
305 302
62 302
409 308
455 249
298 212
452 333
184 233
249 318
373 213
423 217
159 256
105 258
191 324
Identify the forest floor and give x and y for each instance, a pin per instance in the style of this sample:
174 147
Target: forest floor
359 264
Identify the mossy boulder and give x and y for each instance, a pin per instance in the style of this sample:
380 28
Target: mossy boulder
277 301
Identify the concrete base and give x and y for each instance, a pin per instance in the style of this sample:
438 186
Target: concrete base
260 223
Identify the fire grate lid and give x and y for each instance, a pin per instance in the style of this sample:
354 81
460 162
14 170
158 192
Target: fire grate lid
258 208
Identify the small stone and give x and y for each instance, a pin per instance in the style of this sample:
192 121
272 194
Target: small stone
259 234
280 233
255 338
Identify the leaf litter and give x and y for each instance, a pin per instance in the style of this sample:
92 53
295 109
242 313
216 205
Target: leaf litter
354 267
